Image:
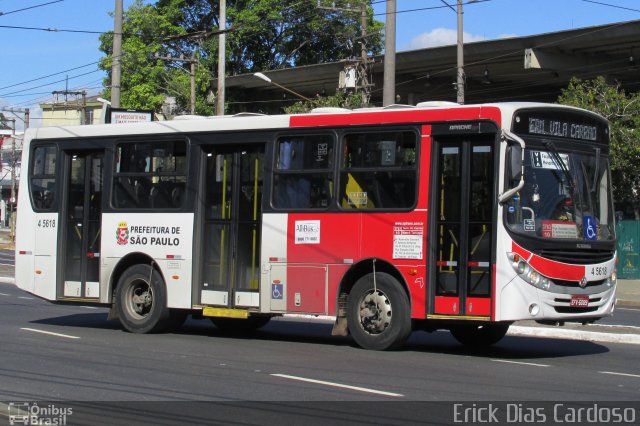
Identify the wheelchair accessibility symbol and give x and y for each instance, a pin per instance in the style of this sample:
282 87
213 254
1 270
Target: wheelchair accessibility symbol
276 291
589 228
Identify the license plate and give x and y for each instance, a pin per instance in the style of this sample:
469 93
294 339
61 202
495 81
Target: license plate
579 301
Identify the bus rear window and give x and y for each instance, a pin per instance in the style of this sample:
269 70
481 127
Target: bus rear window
43 178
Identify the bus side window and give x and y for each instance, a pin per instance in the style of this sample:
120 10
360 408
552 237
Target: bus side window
303 175
379 171
42 178
150 175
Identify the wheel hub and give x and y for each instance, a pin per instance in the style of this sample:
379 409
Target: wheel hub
142 299
375 312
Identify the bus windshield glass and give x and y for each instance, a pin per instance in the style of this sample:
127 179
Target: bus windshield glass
565 196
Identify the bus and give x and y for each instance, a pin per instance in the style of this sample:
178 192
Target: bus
431 217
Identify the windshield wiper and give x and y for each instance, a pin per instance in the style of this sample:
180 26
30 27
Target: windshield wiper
596 172
556 158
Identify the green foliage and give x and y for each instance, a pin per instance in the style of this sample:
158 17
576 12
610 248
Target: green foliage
623 111
263 35
339 100
3 123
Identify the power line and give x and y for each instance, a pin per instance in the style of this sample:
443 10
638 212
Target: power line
48 84
611 5
50 75
52 30
429 8
30 7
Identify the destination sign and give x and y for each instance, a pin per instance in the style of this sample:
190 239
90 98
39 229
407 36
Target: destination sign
562 129
561 125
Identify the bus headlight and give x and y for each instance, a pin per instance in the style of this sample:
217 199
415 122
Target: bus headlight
527 273
613 279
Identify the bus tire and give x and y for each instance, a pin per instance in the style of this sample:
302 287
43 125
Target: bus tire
479 335
142 300
379 319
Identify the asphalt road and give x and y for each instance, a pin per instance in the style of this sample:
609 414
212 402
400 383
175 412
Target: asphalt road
88 358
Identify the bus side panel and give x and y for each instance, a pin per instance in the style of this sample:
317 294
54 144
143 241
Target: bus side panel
316 245
399 238
273 252
167 238
25 241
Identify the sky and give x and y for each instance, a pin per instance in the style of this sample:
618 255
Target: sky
36 63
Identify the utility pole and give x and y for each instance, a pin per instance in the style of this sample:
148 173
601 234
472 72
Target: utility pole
222 55
12 199
460 75
364 57
116 68
363 66
192 74
389 87
24 111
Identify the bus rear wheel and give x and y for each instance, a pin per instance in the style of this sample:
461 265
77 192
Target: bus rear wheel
479 335
142 301
379 314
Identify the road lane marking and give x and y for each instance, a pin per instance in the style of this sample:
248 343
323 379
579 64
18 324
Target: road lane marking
25 297
621 374
337 385
3 294
626 309
89 307
49 332
520 362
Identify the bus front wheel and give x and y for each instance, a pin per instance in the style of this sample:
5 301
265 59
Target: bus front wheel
379 313
142 301
479 335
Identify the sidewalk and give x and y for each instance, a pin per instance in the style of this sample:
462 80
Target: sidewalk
5 239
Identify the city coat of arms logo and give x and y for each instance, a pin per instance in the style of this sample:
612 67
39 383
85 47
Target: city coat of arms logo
122 234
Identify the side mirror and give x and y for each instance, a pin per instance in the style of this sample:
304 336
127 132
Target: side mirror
516 162
514 154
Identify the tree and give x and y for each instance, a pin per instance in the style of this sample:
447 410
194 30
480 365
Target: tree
263 35
3 122
623 112
339 100
145 78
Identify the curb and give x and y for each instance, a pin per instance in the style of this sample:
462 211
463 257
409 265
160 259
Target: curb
590 336
628 303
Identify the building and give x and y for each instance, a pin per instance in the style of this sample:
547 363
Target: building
69 110
531 68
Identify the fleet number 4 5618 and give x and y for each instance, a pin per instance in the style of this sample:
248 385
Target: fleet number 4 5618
47 223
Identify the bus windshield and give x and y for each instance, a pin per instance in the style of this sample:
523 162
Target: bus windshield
565 196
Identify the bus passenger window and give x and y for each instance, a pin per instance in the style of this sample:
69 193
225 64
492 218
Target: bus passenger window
150 175
379 171
303 177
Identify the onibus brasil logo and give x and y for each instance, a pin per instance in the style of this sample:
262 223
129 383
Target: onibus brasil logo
122 233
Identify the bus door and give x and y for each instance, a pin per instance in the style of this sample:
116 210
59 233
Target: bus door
464 210
232 218
81 218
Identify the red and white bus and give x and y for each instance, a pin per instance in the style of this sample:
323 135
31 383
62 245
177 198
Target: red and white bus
465 218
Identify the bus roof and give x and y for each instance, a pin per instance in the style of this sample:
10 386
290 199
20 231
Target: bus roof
426 111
